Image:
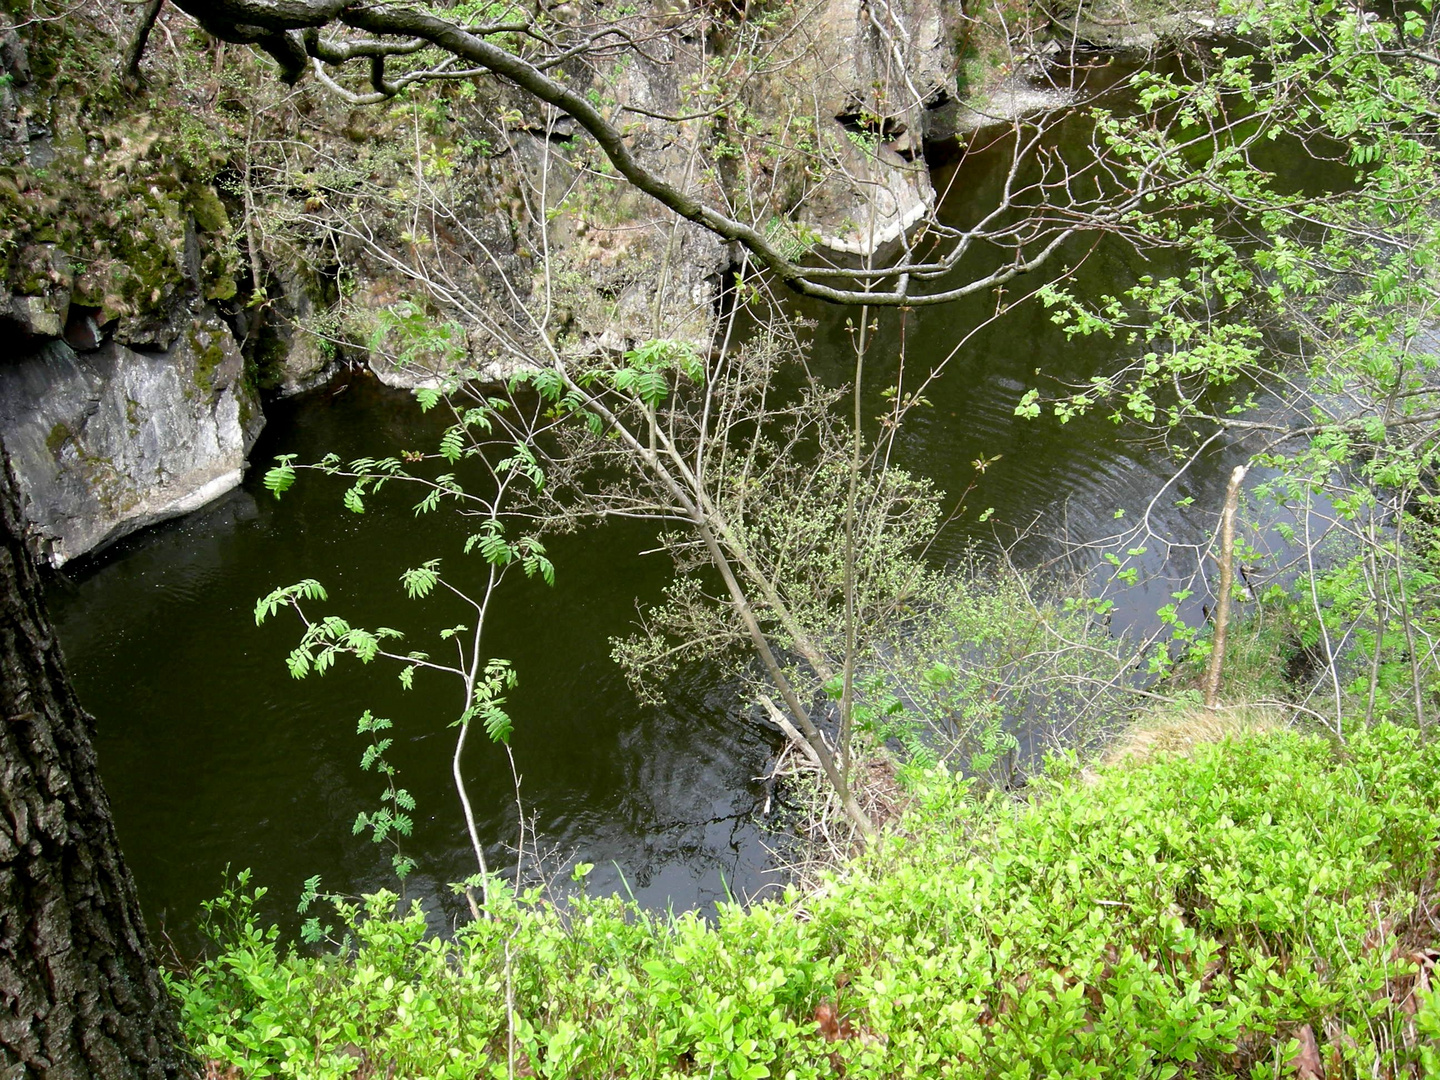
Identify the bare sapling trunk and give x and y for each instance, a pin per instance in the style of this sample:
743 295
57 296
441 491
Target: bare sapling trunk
1227 579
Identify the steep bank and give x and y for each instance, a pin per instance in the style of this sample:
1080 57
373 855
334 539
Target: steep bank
212 200
114 439
124 397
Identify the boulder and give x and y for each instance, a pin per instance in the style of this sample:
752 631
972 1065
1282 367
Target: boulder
110 441
36 316
294 355
883 59
870 200
875 72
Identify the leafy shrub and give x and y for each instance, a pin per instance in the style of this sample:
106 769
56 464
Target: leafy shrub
1254 909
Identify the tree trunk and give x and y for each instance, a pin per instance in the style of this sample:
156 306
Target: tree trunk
80 993
130 64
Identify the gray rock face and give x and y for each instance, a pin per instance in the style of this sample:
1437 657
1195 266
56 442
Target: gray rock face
870 200
36 316
539 244
874 73
114 440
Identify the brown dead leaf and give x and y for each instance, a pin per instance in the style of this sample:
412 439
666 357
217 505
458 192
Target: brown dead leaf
1213 967
831 1024
1306 1062
1112 958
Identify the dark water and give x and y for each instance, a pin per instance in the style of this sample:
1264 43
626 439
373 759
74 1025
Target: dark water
214 756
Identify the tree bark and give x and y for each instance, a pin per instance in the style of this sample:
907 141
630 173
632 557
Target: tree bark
80 992
130 65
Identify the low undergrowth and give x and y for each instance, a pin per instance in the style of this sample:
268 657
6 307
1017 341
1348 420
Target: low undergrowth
1264 907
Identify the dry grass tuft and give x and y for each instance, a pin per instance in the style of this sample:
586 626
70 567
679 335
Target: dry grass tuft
1177 730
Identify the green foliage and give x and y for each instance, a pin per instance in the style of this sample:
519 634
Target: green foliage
281 477
644 372
309 589
1374 608
786 516
325 638
416 339
1296 175
976 659
1261 648
392 820
420 581
1187 917
793 239
528 552
488 702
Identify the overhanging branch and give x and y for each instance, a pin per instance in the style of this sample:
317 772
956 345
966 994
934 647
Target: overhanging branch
290 31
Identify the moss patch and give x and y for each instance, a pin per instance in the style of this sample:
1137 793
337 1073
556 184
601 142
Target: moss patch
209 355
207 209
59 435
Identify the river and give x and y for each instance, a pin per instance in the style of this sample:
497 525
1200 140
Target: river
214 757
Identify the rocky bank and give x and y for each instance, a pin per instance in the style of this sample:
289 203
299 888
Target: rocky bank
175 252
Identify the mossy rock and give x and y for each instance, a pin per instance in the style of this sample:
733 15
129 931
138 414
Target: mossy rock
55 441
207 210
209 355
222 286
271 351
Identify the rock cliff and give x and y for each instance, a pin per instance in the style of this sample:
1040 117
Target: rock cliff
108 441
171 253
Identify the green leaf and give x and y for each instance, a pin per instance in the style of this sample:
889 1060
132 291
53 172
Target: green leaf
280 478
299 663
548 383
308 894
420 581
544 567
495 550
452 444
498 726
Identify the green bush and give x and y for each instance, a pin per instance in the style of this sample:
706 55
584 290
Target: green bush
1191 916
